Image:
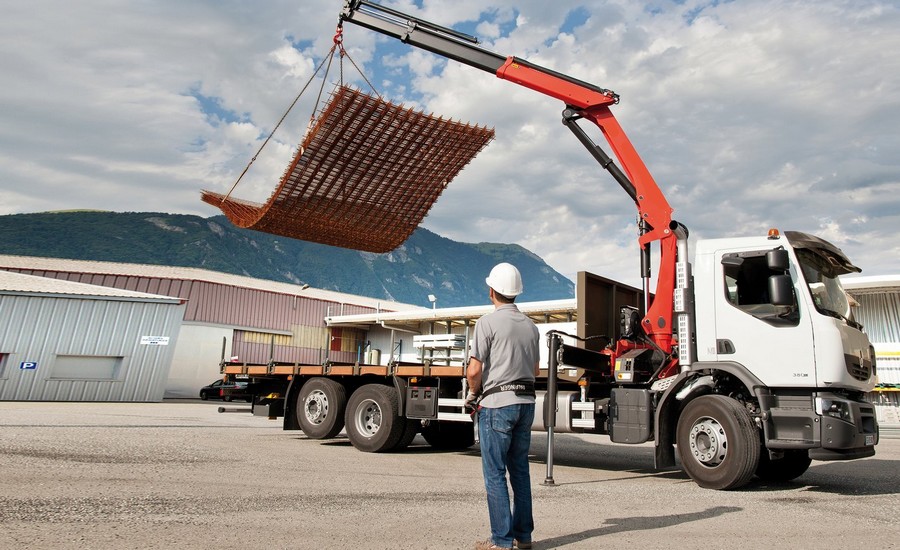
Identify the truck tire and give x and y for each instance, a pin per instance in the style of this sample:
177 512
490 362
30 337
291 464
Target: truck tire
409 433
449 436
790 466
718 442
373 418
320 408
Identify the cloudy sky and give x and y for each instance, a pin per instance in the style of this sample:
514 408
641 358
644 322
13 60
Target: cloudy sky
750 114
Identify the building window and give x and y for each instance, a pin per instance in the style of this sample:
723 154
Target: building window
4 359
86 367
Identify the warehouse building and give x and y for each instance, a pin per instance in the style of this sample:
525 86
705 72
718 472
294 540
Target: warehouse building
225 316
68 341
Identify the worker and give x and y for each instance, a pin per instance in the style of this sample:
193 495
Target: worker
503 362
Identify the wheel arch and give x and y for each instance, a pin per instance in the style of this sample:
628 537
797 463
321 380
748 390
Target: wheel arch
670 404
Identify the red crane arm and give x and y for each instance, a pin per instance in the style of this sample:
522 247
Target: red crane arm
593 104
582 100
654 210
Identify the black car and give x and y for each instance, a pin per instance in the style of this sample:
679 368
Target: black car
227 391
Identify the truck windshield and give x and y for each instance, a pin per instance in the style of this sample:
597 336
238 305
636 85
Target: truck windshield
824 286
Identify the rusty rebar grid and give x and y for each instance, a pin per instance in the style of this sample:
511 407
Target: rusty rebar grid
364 177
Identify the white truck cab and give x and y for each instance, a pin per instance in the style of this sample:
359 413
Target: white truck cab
771 311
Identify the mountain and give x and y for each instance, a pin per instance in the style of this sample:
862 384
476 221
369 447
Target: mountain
426 264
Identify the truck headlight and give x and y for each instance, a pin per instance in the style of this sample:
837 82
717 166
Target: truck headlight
835 408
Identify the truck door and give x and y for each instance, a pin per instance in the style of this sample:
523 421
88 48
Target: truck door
773 341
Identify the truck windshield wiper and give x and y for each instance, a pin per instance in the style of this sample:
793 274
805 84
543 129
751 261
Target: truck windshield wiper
836 315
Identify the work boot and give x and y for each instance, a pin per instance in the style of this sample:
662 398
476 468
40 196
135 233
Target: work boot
522 545
489 545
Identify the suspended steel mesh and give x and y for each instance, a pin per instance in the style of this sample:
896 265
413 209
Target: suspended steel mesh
364 177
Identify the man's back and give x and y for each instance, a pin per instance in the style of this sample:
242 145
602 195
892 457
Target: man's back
506 341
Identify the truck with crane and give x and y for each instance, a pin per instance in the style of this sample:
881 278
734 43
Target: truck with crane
746 360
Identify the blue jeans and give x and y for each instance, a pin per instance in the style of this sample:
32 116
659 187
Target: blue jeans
505 435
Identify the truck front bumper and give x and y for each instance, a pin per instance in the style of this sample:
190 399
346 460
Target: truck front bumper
848 429
830 426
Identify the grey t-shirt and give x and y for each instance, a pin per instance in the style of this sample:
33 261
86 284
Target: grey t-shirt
506 342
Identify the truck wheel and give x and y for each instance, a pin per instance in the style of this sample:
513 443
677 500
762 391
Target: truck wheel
718 442
409 433
785 468
320 408
373 419
449 436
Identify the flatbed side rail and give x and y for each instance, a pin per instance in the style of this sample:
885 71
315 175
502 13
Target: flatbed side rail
341 369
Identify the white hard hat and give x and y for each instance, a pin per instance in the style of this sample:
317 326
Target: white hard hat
505 279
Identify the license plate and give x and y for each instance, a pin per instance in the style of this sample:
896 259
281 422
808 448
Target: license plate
870 440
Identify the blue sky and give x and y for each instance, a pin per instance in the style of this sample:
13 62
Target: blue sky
750 114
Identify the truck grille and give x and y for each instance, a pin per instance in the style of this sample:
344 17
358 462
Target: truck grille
860 370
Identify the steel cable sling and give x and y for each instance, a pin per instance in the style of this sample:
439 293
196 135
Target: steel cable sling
365 174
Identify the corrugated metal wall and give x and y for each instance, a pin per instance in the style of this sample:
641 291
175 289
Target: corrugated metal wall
60 336
879 313
249 308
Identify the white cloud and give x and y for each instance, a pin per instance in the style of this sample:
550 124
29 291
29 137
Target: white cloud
749 114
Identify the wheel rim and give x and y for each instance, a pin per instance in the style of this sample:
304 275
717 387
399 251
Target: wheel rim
316 407
708 441
368 418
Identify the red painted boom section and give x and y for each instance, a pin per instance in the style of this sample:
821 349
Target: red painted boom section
653 208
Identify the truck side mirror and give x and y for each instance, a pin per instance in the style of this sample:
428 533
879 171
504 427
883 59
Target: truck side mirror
781 291
778 260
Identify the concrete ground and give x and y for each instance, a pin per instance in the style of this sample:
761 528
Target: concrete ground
179 474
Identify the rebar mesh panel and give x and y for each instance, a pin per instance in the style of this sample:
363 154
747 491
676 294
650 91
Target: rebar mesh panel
364 177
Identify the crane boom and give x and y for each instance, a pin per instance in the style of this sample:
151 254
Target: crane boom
583 101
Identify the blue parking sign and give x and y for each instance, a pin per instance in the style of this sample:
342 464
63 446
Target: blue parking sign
28 365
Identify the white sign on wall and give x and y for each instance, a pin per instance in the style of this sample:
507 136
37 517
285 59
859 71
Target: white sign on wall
154 340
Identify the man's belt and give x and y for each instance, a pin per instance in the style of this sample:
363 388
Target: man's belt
520 387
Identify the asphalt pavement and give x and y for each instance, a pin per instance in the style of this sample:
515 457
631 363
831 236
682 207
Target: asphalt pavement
179 474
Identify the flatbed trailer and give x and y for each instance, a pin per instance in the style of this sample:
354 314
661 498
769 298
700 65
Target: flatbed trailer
366 399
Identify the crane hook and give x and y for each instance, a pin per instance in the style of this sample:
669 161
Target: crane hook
339 40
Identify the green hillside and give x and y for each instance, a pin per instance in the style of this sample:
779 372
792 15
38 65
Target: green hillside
426 264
